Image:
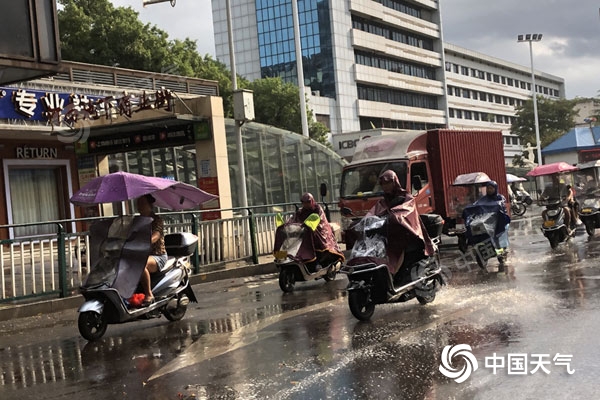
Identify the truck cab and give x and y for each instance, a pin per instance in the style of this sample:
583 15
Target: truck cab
405 154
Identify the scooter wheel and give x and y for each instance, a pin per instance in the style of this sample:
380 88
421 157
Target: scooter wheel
359 306
426 299
175 314
287 279
92 325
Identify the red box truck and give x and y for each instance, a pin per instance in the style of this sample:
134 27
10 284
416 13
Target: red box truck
426 164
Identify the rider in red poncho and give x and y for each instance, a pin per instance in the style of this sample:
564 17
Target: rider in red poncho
405 228
320 247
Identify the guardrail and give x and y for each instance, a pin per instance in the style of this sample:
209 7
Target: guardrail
57 264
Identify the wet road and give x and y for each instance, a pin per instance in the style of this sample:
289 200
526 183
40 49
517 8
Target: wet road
248 340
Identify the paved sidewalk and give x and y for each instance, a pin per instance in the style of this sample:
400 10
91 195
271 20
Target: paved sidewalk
38 306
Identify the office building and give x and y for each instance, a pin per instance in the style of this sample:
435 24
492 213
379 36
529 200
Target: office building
378 63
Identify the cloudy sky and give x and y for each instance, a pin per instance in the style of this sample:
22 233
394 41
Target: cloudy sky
569 48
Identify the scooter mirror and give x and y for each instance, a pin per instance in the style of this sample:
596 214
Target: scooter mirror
346 212
323 189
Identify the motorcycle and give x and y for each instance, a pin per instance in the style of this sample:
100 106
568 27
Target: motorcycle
290 254
485 235
523 197
370 280
517 207
119 250
589 212
553 225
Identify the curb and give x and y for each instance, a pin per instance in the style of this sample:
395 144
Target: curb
10 311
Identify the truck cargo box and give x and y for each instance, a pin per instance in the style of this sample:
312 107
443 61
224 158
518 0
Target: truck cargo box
456 152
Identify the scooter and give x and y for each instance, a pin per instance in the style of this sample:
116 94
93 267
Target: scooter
523 197
589 212
485 235
517 207
553 226
291 267
119 249
370 281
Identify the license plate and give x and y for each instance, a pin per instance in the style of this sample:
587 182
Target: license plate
586 210
281 254
549 224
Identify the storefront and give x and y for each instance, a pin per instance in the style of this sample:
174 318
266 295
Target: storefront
57 134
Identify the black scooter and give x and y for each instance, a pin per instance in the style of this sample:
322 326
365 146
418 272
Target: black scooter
589 212
553 225
371 283
119 250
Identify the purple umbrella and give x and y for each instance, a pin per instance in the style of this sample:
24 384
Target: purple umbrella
121 186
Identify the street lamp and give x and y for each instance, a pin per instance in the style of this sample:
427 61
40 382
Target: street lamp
535 37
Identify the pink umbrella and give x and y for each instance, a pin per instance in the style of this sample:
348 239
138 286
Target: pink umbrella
550 169
121 186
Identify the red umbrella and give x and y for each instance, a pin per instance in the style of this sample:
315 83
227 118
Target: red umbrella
550 169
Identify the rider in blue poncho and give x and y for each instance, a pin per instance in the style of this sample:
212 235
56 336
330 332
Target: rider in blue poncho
490 210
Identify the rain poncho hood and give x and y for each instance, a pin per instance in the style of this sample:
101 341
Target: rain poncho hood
404 226
314 243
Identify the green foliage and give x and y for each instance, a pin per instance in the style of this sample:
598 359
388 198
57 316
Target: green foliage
277 103
95 32
555 117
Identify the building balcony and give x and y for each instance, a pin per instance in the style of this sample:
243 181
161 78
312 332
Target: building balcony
370 42
381 77
368 108
395 18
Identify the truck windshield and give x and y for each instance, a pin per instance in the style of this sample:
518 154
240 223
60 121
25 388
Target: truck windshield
362 180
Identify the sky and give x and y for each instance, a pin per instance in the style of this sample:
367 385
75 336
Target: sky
569 47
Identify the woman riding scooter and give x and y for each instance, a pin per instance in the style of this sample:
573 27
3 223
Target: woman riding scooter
404 225
324 248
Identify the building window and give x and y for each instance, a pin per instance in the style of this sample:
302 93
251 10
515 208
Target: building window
496 78
448 66
468 115
36 194
515 140
464 71
394 65
451 112
450 91
390 33
466 93
398 97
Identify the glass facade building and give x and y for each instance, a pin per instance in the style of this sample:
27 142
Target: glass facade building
277 48
281 165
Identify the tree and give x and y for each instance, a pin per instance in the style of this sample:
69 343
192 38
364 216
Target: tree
277 103
95 32
555 117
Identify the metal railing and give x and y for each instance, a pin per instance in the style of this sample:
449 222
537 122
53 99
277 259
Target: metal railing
57 264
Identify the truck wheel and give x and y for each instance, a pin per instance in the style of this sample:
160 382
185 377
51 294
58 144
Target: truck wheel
360 307
92 325
590 227
287 279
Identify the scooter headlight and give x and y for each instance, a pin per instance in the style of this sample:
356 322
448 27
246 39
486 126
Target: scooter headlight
552 213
